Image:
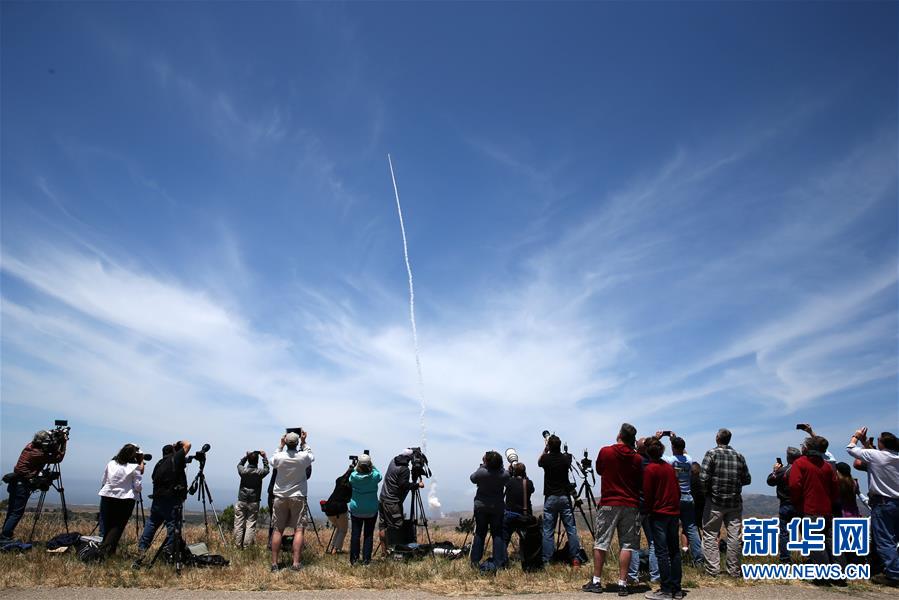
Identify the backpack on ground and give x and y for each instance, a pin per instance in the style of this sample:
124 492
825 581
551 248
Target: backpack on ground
89 551
199 556
63 540
532 548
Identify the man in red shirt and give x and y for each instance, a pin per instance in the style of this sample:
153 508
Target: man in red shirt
814 491
661 501
621 470
34 457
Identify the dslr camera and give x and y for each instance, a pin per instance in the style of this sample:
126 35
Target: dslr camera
140 456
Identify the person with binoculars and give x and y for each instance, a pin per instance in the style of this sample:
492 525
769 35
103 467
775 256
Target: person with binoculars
246 510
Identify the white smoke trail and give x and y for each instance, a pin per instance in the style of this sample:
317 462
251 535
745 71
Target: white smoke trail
433 501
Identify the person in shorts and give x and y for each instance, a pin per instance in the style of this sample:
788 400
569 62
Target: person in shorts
289 509
621 470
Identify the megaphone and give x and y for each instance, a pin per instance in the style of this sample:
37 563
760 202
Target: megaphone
512 455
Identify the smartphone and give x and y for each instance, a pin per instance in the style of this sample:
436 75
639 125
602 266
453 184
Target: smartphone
800 426
666 433
780 461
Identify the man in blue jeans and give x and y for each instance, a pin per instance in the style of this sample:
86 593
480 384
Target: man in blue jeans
883 496
557 500
34 458
682 464
169 492
779 479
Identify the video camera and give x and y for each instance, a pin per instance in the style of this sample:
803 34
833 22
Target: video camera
418 464
59 435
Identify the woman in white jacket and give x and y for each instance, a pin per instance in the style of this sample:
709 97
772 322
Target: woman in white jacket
121 484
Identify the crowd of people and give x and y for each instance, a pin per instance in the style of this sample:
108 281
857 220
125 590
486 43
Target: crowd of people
666 497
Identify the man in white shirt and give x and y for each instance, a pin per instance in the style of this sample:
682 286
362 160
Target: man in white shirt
883 493
290 494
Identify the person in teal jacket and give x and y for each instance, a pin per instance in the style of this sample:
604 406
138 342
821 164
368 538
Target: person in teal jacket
363 508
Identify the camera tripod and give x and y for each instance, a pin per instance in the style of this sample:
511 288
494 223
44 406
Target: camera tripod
201 489
53 479
140 518
419 518
177 545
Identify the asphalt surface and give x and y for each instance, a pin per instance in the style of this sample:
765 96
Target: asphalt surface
755 592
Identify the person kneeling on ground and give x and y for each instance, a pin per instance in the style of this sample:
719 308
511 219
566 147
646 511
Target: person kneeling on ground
661 501
290 495
519 514
363 507
489 507
121 484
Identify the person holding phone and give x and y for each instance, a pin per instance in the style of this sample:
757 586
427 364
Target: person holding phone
779 479
883 498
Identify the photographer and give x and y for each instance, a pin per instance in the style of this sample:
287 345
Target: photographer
683 466
489 507
397 485
290 490
246 511
120 486
46 448
779 479
519 513
883 489
557 499
336 509
169 492
364 482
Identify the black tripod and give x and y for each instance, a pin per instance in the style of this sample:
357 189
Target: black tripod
49 478
177 546
140 518
419 518
314 526
201 488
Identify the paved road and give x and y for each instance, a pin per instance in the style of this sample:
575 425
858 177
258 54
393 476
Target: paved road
756 592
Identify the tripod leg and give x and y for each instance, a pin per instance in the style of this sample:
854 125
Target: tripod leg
37 514
314 526
214 512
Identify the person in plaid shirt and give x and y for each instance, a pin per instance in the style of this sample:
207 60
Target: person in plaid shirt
723 475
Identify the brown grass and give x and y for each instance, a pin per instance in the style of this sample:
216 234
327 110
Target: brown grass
249 569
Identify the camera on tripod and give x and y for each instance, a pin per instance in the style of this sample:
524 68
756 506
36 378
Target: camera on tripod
586 463
57 438
43 480
199 456
418 464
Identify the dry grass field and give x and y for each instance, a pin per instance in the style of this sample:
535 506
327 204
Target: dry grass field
249 569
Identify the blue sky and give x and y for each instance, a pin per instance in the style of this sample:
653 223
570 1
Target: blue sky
681 215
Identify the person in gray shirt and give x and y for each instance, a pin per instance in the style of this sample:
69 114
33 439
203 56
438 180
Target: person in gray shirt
246 510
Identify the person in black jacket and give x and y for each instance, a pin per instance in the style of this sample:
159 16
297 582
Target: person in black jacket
519 513
397 485
778 478
169 492
246 510
491 479
335 508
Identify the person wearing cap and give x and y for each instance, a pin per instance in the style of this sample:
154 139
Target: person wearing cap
290 489
363 508
33 459
779 478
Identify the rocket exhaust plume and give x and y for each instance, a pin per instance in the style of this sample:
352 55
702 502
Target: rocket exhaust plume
433 501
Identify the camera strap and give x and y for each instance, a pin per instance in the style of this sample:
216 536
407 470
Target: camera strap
524 496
